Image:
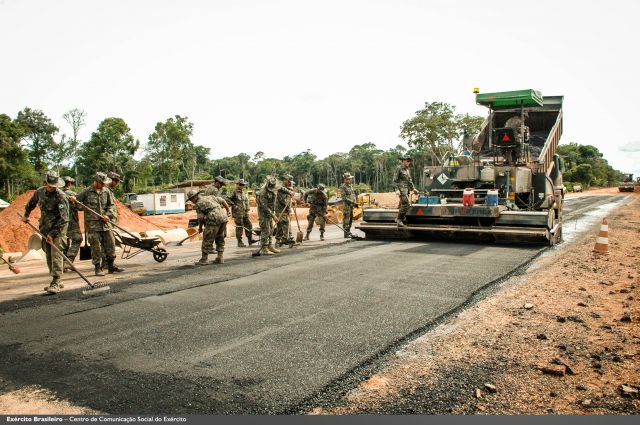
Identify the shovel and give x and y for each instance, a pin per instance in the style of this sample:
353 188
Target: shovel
94 288
183 241
86 208
299 236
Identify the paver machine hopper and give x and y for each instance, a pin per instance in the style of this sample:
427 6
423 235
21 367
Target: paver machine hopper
505 187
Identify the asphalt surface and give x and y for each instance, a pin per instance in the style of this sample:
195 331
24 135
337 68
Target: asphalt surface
263 335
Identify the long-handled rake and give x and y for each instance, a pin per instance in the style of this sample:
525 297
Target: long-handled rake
94 288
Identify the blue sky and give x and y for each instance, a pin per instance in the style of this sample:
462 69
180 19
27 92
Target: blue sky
285 76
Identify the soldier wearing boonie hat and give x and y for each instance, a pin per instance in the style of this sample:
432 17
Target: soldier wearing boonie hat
239 201
98 228
54 218
403 184
283 209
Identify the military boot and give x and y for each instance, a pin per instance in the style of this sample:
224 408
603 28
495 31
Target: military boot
265 251
306 237
218 259
98 270
241 244
203 261
321 236
400 222
252 241
54 286
346 235
112 268
273 249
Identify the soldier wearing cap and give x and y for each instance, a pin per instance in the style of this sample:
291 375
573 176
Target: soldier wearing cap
214 189
212 220
348 203
403 183
266 199
54 218
318 202
74 235
283 207
239 201
98 227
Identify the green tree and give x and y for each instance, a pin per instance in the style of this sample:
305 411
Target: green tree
110 148
16 172
38 136
171 150
76 119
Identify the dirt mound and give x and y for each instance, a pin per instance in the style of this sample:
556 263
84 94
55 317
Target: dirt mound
386 199
14 234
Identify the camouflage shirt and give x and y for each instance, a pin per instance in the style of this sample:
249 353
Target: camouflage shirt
402 180
100 202
211 191
347 194
74 220
266 201
317 198
210 210
239 203
54 211
283 203
113 213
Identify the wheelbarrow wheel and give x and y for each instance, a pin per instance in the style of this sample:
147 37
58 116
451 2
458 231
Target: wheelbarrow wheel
160 254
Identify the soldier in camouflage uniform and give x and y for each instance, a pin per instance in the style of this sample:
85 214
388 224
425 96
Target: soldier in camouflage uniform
318 202
266 200
98 228
283 209
211 216
403 184
74 235
113 213
54 217
214 189
348 203
240 211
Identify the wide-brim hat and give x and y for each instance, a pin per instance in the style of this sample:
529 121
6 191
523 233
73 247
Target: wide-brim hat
347 176
69 179
114 176
220 179
52 179
192 194
406 158
101 177
242 182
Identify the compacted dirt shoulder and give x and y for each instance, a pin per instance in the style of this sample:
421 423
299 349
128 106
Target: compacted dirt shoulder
563 338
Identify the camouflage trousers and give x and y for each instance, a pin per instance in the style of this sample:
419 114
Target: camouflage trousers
74 240
266 228
347 217
311 218
243 224
55 262
403 207
283 231
213 233
102 242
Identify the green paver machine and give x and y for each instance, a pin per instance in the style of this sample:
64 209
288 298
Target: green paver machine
506 186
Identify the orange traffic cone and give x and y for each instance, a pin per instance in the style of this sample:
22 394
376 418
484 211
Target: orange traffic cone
602 241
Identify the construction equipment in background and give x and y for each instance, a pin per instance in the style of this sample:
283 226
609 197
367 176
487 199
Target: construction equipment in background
627 184
334 210
506 186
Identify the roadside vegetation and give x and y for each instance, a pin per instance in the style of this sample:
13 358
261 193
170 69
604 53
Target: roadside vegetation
31 143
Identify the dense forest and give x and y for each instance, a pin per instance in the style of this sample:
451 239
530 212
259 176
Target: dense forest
30 144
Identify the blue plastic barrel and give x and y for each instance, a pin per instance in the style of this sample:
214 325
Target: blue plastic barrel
492 198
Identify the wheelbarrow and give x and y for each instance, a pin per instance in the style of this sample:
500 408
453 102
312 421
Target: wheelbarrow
132 247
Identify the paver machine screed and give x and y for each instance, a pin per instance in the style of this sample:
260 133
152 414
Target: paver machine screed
505 187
